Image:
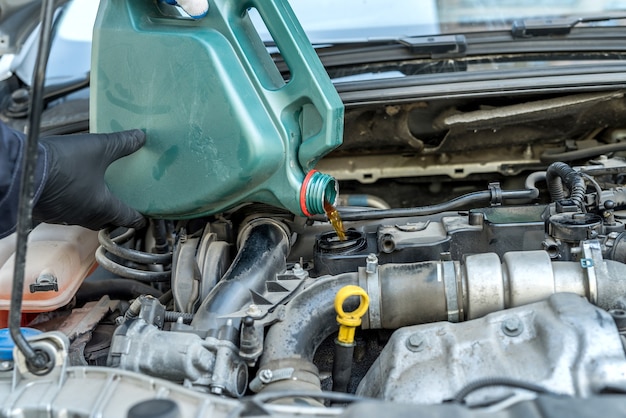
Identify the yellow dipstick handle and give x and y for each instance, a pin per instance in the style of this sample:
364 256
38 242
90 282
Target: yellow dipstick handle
348 321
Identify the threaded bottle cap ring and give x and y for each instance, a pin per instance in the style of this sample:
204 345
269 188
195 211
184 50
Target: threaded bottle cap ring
316 188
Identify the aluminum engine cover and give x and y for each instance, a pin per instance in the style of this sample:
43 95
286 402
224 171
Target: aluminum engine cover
563 343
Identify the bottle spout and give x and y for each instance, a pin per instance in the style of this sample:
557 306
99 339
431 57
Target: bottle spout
316 189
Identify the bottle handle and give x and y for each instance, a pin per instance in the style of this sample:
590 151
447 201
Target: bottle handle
309 89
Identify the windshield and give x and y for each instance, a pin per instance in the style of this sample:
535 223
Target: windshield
361 20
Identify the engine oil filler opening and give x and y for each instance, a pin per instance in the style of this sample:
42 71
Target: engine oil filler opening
330 243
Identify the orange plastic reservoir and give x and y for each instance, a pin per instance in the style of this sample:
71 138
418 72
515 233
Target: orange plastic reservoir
58 260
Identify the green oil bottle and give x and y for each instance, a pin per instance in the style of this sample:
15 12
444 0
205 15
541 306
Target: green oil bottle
223 125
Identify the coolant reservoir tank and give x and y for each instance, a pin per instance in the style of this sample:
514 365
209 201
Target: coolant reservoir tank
223 126
59 258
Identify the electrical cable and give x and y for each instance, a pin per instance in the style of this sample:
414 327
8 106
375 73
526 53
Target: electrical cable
560 173
460 396
596 187
326 395
38 361
172 316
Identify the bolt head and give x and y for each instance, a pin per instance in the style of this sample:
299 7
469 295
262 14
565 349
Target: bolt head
253 310
512 327
416 342
265 375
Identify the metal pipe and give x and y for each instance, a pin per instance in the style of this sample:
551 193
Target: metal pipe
417 293
363 200
264 246
309 319
533 179
291 343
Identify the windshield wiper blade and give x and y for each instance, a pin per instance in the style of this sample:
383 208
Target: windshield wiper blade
438 46
527 28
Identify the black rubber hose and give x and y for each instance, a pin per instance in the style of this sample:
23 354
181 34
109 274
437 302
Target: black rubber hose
122 289
560 173
262 255
166 297
160 236
342 367
582 153
128 272
464 201
112 246
499 381
37 360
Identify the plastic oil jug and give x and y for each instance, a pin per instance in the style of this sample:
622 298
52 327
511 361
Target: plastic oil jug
223 126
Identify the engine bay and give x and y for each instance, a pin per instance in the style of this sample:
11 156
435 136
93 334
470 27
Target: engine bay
484 299
474 263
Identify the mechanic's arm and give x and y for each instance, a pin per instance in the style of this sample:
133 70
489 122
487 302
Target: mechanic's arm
195 8
69 179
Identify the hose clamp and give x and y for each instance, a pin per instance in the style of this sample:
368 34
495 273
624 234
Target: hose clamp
451 290
369 280
267 376
496 194
593 265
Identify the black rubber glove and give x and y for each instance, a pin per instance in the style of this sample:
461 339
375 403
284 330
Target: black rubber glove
74 191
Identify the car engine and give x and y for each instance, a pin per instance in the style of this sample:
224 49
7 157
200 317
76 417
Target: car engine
473 300
476 266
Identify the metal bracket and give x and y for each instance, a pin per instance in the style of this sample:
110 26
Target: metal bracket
267 376
370 281
592 264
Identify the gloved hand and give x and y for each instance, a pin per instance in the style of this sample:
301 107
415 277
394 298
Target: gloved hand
194 8
74 191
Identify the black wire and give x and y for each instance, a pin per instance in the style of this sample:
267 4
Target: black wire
264 397
500 381
37 360
330 396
